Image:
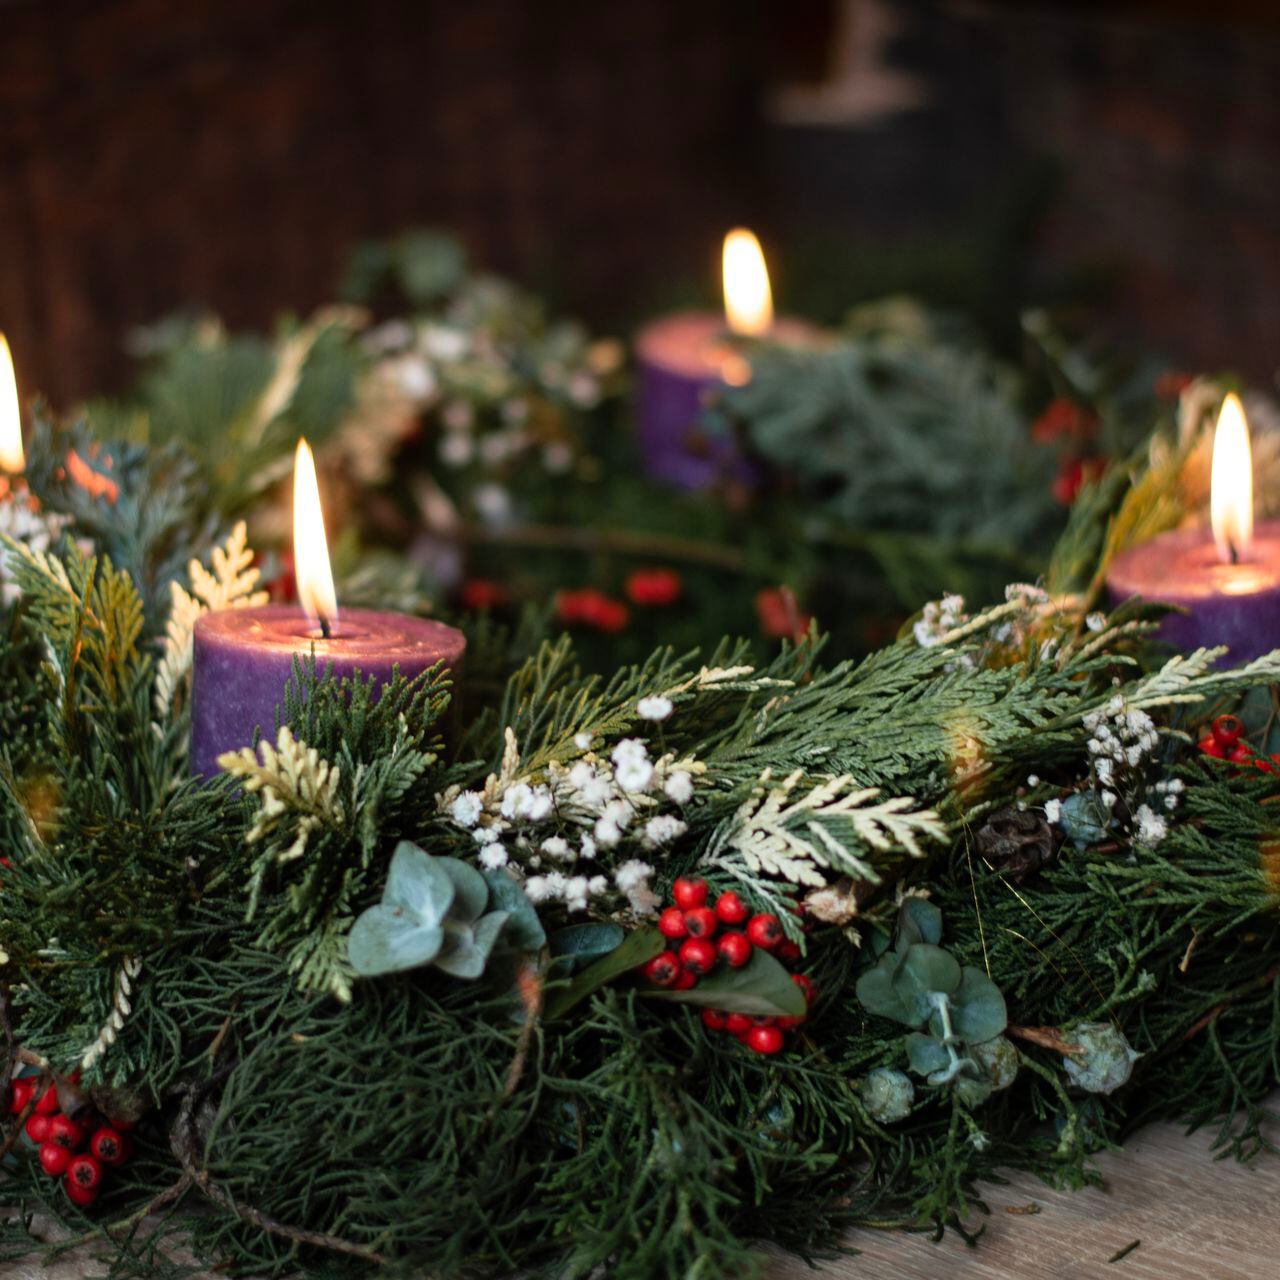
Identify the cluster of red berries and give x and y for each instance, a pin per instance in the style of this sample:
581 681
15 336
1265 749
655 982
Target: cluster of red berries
1225 741
654 588
60 1138
590 608
781 617
695 926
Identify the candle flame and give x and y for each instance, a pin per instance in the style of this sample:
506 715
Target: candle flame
12 458
748 302
310 546
1231 486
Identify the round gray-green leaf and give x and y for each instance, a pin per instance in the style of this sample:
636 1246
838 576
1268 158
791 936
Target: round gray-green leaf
418 884
977 1008
471 893
389 939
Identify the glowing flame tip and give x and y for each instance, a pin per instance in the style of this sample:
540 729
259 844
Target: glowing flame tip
1231 485
12 458
310 546
748 301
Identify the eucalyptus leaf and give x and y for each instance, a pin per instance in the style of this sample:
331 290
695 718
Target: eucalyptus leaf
918 921
977 1008
471 893
926 1054
418 884
638 948
389 939
578 945
761 987
875 991
524 929
925 971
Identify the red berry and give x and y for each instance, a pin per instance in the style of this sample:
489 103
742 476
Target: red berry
788 950
653 587
1228 730
737 1024
1212 747
689 892
791 1022
20 1095
734 949
671 923
765 1039
47 1103
730 909
763 1020
84 1177
663 970
54 1159
701 922
38 1128
765 931
805 983
698 955
686 980
713 1019
1241 753
65 1132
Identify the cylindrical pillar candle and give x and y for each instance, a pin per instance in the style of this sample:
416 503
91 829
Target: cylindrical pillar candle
1225 580
244 659
684 359
1222 603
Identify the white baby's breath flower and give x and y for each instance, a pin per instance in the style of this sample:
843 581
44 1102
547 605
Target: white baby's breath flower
558 848
1152 828
654 708
1096 621
467 808
583 741
456 450
493 856
663 829
679 787
631 875
1053 812
634 775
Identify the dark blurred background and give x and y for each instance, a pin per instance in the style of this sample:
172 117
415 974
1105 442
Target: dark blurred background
231 153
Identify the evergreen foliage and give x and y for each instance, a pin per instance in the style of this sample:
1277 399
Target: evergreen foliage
186 944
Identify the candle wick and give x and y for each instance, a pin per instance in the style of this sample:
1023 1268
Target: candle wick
1231 548
327 631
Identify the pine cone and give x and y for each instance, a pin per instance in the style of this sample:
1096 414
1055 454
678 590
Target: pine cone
1018 842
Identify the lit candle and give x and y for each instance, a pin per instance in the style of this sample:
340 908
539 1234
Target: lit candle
244 657
1225 579
13 460
685 358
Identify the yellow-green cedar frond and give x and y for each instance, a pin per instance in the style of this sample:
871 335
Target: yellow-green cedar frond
797 838
295 782
230 585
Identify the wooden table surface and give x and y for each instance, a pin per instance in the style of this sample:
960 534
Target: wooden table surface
1197 1219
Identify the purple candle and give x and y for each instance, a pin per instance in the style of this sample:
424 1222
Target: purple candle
1227 580
243 658
686 358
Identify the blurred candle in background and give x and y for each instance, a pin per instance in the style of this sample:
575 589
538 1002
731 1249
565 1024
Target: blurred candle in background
685 358
12 458
1225 579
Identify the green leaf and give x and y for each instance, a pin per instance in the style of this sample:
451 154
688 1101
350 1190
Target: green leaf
918 921
472 945
761 987
926 969
388 939
638 948
977 1008
471 893
578 945
876 993
926 1055
418 884
524 929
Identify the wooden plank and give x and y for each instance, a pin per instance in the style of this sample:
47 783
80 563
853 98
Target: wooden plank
1196 1217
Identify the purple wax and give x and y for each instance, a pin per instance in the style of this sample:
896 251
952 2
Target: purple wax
1233 604
682 361
244 658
